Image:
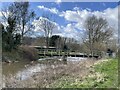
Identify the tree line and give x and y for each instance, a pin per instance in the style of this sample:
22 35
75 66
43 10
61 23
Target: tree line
16 24
19 17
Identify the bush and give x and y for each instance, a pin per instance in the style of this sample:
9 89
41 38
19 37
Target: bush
29 53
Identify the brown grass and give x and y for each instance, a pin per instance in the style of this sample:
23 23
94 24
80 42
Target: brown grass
51 74
29 53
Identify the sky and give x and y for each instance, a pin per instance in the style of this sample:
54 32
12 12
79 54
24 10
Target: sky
69 17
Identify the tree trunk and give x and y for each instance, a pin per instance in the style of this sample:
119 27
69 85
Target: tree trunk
47 42
22 33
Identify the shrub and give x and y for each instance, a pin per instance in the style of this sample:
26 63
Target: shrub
29 53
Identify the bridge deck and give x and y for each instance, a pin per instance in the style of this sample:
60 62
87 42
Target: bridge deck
69 55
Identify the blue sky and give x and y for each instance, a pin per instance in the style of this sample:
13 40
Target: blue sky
70 16
93 6
69 5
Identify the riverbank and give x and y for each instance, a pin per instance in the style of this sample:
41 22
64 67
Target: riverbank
77 74
20 54
102 74
50 74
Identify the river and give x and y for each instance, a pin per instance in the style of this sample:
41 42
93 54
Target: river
23 69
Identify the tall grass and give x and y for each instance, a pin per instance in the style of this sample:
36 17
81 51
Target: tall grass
49 75
82 74
103 74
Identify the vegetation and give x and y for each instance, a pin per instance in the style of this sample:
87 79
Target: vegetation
99 76
17 44
24 16
10 40
18 18
98 32
83 74
55 40
47 26
21 54
51 73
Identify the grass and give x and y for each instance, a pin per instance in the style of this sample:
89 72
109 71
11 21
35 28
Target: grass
83 74
101 75
110 70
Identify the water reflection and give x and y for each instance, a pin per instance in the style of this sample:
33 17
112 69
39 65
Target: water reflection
23 70
75 58
29 71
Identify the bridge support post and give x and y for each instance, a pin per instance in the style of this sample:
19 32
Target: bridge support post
65 56
59 53
51 53
44 53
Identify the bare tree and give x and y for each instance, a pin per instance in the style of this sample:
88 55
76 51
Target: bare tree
97 32
39 41
24 17
10 37
44 24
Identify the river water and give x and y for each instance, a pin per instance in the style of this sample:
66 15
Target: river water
23 70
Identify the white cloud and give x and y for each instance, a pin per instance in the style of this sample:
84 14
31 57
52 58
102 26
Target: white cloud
72 16
38 25
52 10
4 15
77 17
1 14
76 8
64 31
69 31
58 1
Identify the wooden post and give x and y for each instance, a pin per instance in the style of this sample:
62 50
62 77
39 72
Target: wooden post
59 53
75 54
44 53
67 53
51 53
64 57
83 55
